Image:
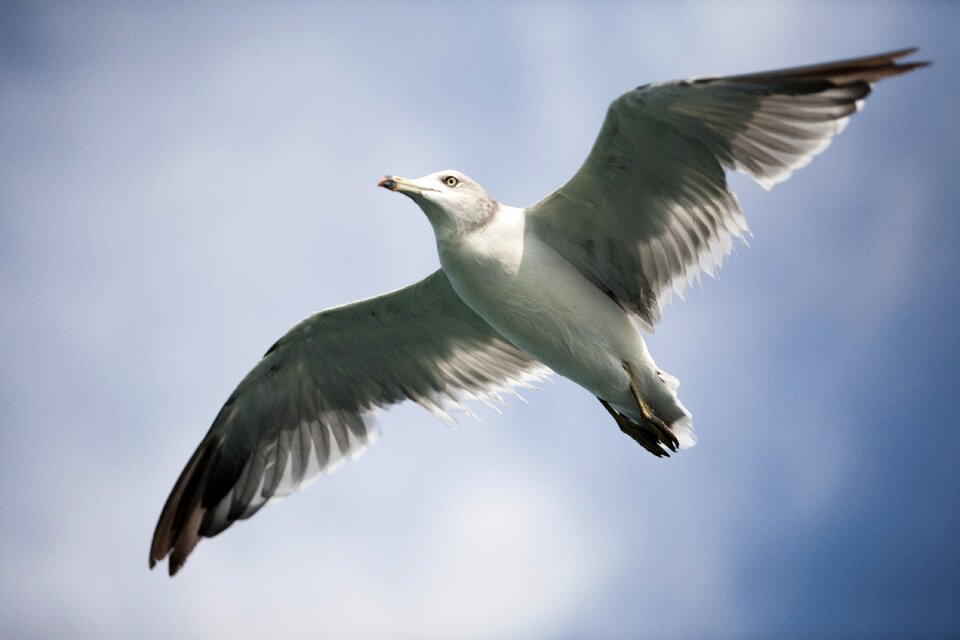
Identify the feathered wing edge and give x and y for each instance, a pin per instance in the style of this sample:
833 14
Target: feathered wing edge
650 210
864 69
802 110
307 405
178 529
799 113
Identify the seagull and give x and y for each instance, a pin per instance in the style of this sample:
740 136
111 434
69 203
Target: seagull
566 285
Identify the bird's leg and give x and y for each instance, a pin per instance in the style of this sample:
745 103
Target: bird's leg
666 436
641 404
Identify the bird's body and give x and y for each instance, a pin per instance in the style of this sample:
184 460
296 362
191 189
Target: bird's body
531 295
561 285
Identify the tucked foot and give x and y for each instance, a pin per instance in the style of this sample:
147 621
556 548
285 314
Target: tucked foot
652 435
650 432
664 434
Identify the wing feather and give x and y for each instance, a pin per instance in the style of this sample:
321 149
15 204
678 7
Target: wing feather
305 407
650 209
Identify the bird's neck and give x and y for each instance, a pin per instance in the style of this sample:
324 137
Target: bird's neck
455 229
498 240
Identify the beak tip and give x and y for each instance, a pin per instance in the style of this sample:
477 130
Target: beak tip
387 182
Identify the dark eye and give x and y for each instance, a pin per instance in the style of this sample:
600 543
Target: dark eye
451 181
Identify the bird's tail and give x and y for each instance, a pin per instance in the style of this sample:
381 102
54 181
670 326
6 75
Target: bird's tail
675 414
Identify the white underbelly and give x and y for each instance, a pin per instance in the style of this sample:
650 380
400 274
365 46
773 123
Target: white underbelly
545 306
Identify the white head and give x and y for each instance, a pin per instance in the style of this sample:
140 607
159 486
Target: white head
454 204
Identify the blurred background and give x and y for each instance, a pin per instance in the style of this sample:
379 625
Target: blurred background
180 184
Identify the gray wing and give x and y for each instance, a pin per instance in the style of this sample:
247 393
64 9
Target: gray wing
304 407
650 209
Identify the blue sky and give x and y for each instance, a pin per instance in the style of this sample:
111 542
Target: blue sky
180 185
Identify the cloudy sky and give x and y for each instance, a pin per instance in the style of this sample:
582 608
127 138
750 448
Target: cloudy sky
180 185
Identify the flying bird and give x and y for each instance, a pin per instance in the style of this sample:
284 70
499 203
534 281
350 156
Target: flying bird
566 285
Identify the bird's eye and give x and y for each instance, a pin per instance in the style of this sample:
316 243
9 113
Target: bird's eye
451 181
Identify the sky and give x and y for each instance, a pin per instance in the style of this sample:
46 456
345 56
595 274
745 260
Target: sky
180 184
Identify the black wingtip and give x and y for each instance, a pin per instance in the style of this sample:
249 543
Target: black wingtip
869 69
178 528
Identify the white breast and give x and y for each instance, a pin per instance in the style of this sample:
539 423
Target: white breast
541 303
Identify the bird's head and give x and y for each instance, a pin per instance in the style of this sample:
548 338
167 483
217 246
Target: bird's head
454 204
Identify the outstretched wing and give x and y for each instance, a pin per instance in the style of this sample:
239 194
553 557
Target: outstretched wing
650 207
302 408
